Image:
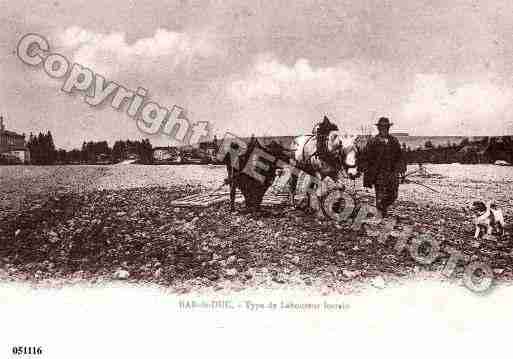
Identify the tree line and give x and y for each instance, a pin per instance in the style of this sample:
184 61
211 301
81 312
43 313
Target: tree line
42 148
43 152
486 150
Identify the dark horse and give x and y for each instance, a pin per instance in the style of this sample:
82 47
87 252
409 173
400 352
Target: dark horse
251 178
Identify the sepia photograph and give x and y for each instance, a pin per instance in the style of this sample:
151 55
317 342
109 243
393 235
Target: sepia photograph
233 178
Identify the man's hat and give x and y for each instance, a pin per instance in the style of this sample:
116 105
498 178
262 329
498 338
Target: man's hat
384 121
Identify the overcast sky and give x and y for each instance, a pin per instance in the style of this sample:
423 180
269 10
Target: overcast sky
434 67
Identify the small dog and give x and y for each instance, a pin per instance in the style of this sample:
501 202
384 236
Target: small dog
487 217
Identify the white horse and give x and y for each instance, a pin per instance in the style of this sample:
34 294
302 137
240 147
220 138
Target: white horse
342 150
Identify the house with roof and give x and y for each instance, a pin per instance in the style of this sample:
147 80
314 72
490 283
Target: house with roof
166 154
13 147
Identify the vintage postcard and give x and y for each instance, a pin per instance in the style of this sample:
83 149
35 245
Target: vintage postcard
217 178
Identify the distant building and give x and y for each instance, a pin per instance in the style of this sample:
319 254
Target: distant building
13 145
210 148
132 156
103 159
165 153
131 151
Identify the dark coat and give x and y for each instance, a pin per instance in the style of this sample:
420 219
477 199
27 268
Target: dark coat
381 156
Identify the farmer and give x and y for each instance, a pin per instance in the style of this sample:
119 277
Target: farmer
382 164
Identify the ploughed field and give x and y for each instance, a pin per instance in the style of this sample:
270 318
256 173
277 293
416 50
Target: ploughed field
97 223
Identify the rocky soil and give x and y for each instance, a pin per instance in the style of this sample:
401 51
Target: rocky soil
102 223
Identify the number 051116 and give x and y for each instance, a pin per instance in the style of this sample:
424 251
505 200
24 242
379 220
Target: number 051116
26 350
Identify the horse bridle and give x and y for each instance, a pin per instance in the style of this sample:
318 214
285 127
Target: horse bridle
344 153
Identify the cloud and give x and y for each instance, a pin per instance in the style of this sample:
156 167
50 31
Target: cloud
110 53
273 97
473 108
270 79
